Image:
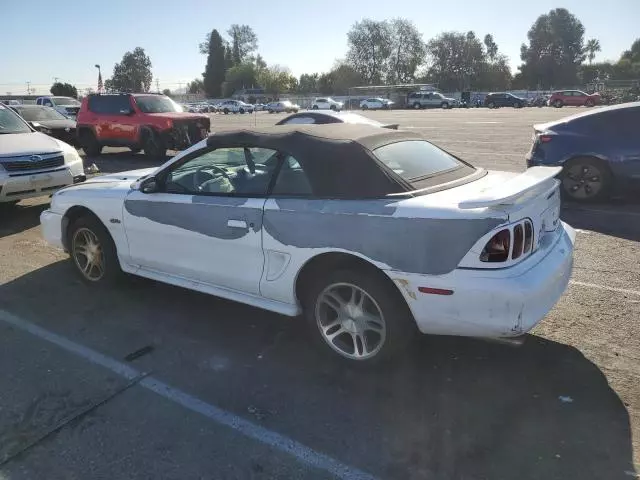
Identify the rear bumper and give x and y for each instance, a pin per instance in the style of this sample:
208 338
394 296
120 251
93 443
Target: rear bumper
492 303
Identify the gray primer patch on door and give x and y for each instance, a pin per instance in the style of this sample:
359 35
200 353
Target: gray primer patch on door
206 215
416 245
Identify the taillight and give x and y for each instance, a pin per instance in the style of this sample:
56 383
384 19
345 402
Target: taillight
545 138
497 249
513 242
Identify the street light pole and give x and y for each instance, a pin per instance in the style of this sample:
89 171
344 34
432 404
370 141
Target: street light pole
99 76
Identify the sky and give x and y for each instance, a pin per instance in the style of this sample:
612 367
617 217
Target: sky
41 41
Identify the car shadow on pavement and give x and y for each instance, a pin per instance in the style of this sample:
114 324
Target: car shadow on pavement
18 218
617 218
449 408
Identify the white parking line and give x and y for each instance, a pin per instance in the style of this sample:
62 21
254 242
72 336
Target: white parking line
273 439
482 123
605 287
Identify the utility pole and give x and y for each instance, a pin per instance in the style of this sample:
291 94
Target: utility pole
158 84
55 79
28 88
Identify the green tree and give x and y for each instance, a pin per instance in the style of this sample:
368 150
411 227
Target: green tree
457 60
408 51
343 77
195 86
276 80
591 48
243 41
555 50
216 69
260 63
633 54
491 46
308 83
239 76
166 92
370 44
132 74
64 90
325 84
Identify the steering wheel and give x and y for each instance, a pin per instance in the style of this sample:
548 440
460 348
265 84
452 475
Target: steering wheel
197 182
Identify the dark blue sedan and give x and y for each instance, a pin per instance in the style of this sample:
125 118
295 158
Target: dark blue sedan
599 151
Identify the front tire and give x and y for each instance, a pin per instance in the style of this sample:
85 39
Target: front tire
358 316
589 103
226 111
491 105
93 252
365 107
417 105
558 103
586 179
444 106
315 107
154 146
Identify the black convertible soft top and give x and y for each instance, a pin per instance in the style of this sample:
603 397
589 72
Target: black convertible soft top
337 158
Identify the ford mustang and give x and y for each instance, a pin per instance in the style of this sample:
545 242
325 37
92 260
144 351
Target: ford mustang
372 234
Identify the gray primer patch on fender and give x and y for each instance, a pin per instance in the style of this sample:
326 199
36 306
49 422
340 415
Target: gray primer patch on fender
416 245
205 215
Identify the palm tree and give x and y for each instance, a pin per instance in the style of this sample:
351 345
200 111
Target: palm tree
592 47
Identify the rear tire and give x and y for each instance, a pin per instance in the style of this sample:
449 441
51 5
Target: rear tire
241 110
589 103
225 111
586 179
444 105
93 252
135 149
417 106
365 107
375 324
491 105
90 143
315 107
154 146
333 107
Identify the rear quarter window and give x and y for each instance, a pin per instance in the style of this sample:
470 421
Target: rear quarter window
416 159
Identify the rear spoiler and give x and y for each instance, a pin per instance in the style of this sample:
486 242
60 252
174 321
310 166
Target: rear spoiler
510 191
392 126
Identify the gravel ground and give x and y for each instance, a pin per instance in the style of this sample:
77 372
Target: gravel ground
566 405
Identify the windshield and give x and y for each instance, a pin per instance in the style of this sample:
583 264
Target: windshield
157 104
35 114
10 122
72 102
415 159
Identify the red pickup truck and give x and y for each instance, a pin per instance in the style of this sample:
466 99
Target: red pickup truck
140 121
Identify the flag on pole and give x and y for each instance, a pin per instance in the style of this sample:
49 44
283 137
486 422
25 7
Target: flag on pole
99 82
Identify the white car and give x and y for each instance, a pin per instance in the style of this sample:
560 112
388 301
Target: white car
283 106
67 106
32 163
274 217
326 103
234 106
375 103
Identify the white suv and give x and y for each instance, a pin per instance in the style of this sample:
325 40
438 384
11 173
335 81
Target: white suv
326 103
32 163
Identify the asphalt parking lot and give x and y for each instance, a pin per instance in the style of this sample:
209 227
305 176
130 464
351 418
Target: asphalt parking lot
151 381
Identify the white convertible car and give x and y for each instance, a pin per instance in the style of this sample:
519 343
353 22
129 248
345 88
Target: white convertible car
371 233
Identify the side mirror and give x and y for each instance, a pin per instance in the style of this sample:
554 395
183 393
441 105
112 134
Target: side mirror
148 185
35 125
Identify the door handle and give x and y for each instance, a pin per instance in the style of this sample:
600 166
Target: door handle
236 224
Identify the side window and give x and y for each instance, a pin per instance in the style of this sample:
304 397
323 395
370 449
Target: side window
321 100
118 104
292 180
47 103
224 171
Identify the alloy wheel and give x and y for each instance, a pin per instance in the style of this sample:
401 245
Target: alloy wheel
350 321
582 181
88 254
